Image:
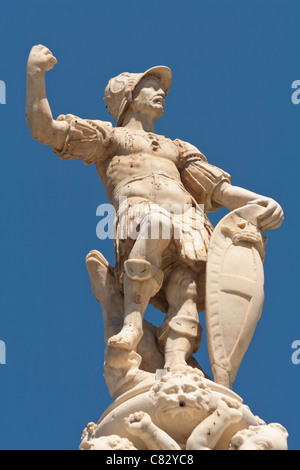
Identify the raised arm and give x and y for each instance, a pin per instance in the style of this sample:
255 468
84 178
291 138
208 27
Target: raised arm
39 118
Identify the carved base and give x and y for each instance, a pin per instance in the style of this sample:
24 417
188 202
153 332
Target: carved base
181 410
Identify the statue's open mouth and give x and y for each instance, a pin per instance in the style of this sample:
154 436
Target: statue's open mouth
181 404
159 99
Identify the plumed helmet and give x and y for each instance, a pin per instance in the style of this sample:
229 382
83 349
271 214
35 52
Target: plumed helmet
120 88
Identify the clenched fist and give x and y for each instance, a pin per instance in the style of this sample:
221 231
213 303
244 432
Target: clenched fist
40 59
138 423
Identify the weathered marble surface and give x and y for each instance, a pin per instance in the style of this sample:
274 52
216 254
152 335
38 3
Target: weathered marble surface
167 254
182 410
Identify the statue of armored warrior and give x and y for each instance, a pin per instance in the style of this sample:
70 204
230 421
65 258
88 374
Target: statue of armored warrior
140 168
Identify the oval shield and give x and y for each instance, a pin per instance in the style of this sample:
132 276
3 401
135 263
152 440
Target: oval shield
234 290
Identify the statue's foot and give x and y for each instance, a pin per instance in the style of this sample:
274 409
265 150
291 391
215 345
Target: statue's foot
128 339
181 367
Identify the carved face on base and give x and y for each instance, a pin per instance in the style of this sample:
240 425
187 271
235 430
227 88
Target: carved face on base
181 398
266 437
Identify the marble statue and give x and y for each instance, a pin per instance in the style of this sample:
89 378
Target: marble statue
168 255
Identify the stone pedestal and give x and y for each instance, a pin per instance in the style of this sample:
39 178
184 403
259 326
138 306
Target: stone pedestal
181 410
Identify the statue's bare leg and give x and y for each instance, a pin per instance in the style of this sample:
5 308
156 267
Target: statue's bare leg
142 280
180 334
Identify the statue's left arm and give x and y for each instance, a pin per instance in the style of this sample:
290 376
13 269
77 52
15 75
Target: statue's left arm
211 186
234 197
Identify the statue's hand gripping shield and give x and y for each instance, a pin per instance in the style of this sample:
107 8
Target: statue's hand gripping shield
234 290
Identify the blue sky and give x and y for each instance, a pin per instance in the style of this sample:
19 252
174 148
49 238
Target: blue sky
233 66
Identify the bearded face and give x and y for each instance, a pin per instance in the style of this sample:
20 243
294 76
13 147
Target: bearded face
181 397
148 98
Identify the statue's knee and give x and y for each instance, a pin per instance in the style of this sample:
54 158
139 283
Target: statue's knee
143 271
182 286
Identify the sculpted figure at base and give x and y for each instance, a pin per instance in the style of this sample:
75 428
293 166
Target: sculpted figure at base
185 411
167 252
263 437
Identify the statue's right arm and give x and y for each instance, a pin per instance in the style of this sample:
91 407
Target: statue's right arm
140 424
39 118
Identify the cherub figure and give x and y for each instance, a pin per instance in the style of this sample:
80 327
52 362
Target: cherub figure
204 437
265 437
112 442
